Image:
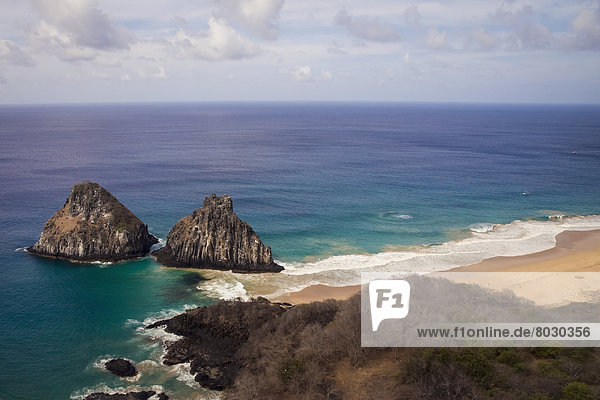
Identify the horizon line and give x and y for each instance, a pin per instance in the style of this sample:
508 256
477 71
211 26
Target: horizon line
306 102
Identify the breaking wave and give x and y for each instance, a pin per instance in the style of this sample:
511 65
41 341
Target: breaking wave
486 240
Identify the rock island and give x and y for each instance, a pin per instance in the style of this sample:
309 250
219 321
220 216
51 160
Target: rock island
93 226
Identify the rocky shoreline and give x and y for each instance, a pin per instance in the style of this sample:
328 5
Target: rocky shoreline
212 337
142 395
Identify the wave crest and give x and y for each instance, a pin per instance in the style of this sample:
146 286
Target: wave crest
485 241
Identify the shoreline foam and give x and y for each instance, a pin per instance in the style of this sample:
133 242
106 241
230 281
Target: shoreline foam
573 251
517 238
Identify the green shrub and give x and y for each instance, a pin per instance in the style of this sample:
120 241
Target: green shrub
576 391
290 368
509 356
539 396
552 369
582 354
545 352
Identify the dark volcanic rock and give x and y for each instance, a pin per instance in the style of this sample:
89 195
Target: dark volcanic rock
212 336
214 237
93 226
121 367
144 395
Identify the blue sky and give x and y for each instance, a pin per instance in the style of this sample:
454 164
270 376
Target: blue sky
57 51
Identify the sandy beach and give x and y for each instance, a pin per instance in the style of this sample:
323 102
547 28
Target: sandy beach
575 251
319 293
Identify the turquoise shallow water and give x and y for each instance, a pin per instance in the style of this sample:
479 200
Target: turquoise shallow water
314 180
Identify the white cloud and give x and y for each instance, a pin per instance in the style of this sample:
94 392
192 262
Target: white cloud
98 75
155 74
525 31
366 28
49 39
326 75
83 24
306 73
410 63
13 54
435 39
302 74
480 39
259 17
175 34
219 42
587 29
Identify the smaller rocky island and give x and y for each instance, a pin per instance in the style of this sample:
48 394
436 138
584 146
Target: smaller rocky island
121 367
93 226
214 237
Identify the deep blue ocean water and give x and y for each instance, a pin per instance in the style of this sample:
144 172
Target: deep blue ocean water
314 180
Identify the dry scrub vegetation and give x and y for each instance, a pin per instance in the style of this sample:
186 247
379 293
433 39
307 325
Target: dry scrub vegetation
313 351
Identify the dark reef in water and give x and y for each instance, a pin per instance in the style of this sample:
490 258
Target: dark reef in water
143 395
93 226
214 237
121 367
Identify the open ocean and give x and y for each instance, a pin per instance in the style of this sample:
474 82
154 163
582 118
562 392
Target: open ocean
334 189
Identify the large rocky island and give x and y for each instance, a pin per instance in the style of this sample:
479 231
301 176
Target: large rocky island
214 237
93 226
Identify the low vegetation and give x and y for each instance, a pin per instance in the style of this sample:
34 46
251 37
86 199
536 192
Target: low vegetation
313 351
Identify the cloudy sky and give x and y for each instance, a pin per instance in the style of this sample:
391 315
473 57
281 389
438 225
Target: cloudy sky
57 51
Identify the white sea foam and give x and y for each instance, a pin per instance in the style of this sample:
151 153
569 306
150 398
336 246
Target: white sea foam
395 215
183 374
156 246
224 288
482 227
485 241
159 334
556 216
163 314
19 249
102 387
103 264
100 364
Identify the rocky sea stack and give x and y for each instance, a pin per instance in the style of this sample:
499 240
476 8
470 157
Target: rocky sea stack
214 237
121 367
93 226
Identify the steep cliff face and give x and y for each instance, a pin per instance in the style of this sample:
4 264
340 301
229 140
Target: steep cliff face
214 237
93 226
